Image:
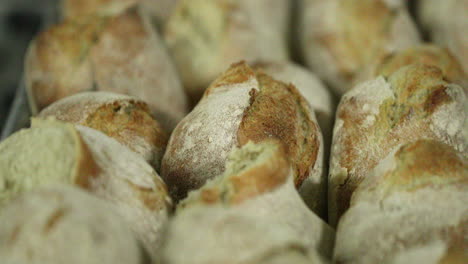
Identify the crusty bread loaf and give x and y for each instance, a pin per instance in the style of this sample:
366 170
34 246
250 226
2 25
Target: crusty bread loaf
55 152
427 54
313 90
243 105
220 235
376 116
447 25
63 224
159 10
250 212
120 53
206 36
412 208
341 37
258 181
124 118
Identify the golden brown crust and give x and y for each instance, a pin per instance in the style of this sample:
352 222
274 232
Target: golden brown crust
130 60
362 34
424 159
54 219
134 118
87 168
123 118
237 73
260 179
154 199
127 26
251 182
418 91
78 8
57 64
424 54
420 164
278 111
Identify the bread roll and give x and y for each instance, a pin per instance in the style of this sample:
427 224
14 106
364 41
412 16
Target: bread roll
410 209
258 181
159 10
340 37
126 119
427 54
62 224
376 116
446 24
313 90
55 152
120 53
206 36
243 105
219 235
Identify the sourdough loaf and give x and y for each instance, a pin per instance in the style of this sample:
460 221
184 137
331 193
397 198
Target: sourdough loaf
412 208
258 181
340 37
124 118
244 105
313 90
63 224
219 235
120 53
376 116
427 54
54 152
446 24
206 36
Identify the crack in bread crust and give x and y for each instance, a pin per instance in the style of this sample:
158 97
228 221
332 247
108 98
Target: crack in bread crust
278 111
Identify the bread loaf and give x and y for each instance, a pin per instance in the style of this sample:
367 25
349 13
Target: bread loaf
55 152
159 10
243 105
341 37
206 36
62 224
258 181
126 119
427 54
120 53
219 235
446 24
313 90
410 209
376 116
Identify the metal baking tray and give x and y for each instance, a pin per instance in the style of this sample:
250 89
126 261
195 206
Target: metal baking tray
20 112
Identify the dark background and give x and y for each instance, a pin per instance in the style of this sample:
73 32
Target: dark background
20 21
